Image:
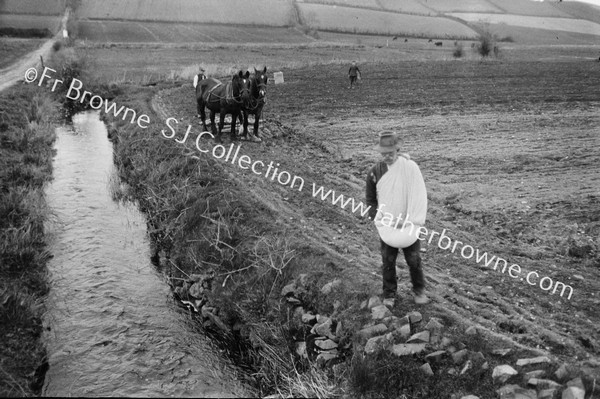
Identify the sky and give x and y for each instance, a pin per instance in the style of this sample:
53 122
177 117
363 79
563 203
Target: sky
594 2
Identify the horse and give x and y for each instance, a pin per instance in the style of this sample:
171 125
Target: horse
222 98
258 93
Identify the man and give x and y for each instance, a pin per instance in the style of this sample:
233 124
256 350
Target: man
397 197
200 76
353 73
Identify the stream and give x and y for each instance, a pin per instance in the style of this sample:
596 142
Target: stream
112 327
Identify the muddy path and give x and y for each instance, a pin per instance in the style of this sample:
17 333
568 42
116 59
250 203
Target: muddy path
510 152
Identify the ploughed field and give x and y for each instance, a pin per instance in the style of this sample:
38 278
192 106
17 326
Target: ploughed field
510 152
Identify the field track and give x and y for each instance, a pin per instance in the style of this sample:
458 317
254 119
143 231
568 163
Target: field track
509 154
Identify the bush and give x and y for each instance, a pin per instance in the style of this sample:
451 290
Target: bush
458 51
486 44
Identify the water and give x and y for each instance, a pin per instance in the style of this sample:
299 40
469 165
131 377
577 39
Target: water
114 329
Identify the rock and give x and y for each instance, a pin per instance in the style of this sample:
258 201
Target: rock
434 325
445 342
323 329
373 302
547 393
534 360
380 312
426 368
407 349
573 393
298 313
577 383
371 331
485 366
578 277
308 318
301 349
422 336
460 356
376 344
415 317
471 330
324 357
293 301
339 331
501 352
326 344
516 392
543 384
288 290
404 331
470 397
503 373
389 302
329 287
477 357
452 371
435 356
534 374
466 367
196 290
562 373
363 305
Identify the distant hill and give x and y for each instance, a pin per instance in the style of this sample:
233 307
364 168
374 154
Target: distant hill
456 19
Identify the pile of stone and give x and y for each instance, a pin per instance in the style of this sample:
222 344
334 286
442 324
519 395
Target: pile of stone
194 293
405 336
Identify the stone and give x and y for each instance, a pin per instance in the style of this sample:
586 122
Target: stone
288 289
470 397
329 287
542 383
460 356
196 290
363 305
339 330
373 302
323 329
468 365
577 383
308 318
573 393
323 357
547 393
516 392
477 357
407 349
380 312
562 373
435 356
326 344
501 352
372 331
404 331
426 368
503 373
301 349
534 374
471 330
422 336
293 301
534 360
415 317
434 325
376 344
445 342
389 302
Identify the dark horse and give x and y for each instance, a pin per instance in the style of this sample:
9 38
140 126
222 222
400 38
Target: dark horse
258 93
223 98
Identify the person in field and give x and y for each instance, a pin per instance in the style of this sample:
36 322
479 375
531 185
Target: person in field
353 74
200 76
396 194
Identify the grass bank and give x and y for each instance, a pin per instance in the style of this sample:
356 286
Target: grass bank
26 138
230 255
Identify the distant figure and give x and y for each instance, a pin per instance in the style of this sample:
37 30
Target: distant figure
439 44
405 40
353 74
200 76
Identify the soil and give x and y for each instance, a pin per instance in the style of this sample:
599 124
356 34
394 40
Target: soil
510 154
